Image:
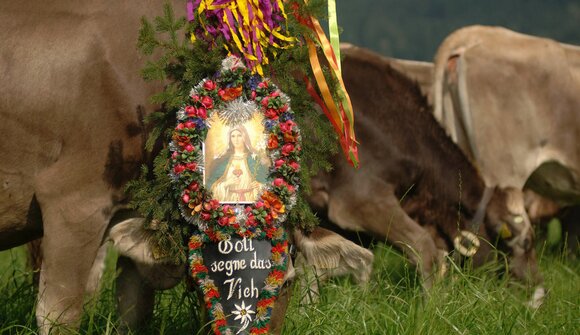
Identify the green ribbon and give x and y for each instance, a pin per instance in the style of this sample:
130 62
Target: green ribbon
333 30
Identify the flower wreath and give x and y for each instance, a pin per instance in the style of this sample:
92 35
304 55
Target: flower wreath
230 93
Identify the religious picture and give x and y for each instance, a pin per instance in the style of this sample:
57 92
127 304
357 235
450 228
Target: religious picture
236 164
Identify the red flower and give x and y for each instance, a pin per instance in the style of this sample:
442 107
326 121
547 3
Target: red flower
209 85
191 166
214 203
185 198
260 331
271 114
265 101
263 84
190 111
223 221
275 94
287 149
205 216
178 168
270 232
251 222
265 302
277 274
202 112
213 294
220 322
207 102
193 187
294 165
253 95
286 127
279 248
268 218
199 268
174 155
273 142
194 245
189 148
179 126
278 182
278 163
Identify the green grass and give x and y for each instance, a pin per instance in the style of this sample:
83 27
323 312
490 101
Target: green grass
393 302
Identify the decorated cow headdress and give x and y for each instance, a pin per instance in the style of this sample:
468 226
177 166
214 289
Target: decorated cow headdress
232 174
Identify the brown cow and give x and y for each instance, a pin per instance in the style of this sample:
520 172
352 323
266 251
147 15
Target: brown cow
71 105
415 188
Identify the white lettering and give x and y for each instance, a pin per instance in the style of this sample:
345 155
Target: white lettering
233 282
225 246
256 263
235 286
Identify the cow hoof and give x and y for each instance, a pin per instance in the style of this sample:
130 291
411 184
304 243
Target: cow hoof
537 298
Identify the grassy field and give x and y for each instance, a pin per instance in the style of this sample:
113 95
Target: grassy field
466 302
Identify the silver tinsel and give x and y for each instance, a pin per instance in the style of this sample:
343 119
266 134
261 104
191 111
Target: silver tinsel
181 114
231 62
237 111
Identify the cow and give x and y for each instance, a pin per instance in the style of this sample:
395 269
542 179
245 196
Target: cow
489 81
72 104
415 188
71 107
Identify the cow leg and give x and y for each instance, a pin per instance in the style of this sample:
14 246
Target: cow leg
281 305
71 240
372 206
135 297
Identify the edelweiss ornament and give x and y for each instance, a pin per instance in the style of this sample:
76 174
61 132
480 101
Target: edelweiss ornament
235 163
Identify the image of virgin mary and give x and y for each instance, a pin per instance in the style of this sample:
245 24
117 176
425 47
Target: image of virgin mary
239 174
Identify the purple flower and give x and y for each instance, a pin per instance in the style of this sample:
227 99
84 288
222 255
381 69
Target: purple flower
269 124
254 81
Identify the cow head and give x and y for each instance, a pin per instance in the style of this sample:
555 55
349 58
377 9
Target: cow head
507 222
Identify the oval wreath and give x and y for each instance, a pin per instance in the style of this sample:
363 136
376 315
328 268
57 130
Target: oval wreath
235 95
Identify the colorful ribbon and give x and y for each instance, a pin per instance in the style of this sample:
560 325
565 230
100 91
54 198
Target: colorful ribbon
251 27
339 111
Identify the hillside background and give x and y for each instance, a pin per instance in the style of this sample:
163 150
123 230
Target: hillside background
413 29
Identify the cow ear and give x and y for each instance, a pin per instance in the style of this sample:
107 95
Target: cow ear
131 239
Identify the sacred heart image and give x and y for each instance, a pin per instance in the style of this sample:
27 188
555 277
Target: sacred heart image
236 163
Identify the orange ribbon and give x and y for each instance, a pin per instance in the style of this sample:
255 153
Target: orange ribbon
338 111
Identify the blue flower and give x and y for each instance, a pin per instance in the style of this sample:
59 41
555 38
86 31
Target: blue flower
286 116
199 123
269 124
253 82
